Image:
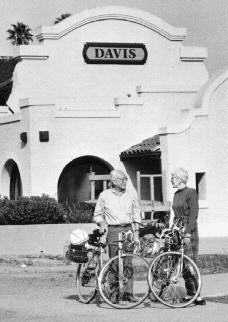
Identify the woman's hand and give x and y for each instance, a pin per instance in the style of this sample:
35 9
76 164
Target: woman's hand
187 239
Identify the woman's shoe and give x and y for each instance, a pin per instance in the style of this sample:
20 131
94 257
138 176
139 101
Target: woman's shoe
186 299
199 301
114 300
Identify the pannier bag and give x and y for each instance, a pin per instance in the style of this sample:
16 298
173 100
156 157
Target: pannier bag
151 246
77 253
77 250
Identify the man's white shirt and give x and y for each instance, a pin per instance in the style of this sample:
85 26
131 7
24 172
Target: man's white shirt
117 208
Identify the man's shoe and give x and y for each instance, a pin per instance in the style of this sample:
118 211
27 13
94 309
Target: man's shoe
114 299
199 301
130 298
152 297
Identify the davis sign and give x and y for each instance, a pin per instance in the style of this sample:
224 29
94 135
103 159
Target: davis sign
114 53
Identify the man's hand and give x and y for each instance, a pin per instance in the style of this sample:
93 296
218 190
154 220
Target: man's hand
136 239
102 227
137 245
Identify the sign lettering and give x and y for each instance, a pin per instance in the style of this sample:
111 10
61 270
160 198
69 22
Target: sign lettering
114 53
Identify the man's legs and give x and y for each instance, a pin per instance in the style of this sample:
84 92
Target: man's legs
112 238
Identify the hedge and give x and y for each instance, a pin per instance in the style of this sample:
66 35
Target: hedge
41 210
79 212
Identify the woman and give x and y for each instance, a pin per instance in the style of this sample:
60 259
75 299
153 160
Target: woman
185 207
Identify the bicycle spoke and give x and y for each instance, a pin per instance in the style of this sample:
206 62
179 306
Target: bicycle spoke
170 284
86 278
123 281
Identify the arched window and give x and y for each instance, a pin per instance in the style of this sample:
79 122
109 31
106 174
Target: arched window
11 185
74 184
15 183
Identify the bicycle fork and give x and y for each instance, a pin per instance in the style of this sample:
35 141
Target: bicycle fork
121 275
178 269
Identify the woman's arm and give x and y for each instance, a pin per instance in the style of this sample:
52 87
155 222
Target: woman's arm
192 200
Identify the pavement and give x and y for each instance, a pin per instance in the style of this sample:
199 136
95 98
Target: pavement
47 294
214 285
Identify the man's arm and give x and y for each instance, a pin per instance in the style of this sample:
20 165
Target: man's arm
136 211
136 218
98 216
171 217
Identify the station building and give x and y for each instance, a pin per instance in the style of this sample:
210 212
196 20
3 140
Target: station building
114 87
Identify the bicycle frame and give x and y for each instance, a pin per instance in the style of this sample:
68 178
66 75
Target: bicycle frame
99 251
121 270
123 236
180 265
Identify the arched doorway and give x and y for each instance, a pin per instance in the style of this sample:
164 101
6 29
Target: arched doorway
74 184
11 180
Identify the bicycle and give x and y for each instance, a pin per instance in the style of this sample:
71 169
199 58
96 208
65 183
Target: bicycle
171 271
111 279
125 273
88 271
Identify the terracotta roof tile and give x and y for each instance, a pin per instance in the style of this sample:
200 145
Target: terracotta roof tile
148 147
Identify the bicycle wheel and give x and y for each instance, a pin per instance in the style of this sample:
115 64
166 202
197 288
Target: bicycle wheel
122 281
169 276
86 278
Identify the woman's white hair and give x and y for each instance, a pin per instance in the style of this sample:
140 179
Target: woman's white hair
181 173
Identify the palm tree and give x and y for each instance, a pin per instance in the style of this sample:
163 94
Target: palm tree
20 34
62 17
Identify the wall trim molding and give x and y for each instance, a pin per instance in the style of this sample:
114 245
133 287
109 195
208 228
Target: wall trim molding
31 52
193 54
87 114
117 13
127 101
12 118
168 89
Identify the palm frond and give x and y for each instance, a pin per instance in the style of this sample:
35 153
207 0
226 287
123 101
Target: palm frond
62 17
20 34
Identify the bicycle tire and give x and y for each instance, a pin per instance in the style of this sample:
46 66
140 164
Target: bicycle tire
166 280
86 278
134 278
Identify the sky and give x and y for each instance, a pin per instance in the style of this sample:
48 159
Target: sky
206 21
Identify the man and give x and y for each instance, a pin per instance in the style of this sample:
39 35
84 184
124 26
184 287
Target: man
118 210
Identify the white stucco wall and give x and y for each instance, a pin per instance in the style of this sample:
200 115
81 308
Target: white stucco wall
74 100
63 77
43 240
202 147
11 149
101 110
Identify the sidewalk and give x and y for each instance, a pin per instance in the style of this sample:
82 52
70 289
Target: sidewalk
214 285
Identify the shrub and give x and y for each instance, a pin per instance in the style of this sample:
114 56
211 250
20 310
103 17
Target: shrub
79 212
213 264
43 210
31 210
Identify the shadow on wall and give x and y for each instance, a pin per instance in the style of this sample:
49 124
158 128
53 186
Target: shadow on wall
146 165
